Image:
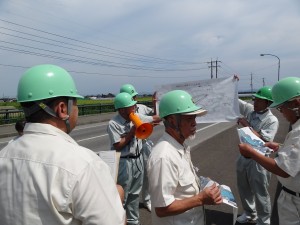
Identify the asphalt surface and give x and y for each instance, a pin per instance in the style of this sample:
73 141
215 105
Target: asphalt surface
215 157
9 130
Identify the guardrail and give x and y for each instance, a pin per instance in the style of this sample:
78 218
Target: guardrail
9 116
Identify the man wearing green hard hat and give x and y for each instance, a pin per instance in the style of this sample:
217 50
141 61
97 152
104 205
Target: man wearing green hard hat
124 139
147 144
38 89
140 108
286 98
46 177
176 195
252 179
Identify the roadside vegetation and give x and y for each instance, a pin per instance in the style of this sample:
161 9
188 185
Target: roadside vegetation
10 112
16 105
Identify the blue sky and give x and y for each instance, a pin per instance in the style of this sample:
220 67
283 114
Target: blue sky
105 44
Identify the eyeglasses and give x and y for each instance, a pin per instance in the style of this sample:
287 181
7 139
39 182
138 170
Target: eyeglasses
284 105
279 108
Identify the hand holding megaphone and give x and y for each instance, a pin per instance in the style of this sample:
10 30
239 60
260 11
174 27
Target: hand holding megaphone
143 130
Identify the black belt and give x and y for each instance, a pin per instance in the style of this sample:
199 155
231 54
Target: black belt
131 156
290 191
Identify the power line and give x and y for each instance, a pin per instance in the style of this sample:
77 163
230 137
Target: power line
96 45
103 74
94 63
83 49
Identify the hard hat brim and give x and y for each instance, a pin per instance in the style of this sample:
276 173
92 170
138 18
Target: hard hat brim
262 97
199 112
276 104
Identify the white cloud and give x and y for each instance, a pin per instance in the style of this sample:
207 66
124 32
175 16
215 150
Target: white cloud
232 31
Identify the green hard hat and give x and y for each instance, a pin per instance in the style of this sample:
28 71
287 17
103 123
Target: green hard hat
264 93
128 88
178 102
285 90
44 82
123 100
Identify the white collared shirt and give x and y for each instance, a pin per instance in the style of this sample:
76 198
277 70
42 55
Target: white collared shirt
47 178
266 124
172 178
288 159
144 110
118 127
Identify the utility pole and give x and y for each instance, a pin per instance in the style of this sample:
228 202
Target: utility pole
251 83
217 68
211 68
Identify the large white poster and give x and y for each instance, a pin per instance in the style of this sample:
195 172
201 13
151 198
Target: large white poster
218 96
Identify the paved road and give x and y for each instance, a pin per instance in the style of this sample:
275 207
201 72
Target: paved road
91 132
214 152
215 157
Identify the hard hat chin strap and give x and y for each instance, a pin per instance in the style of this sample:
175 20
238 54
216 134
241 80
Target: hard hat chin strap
177 127
47 109
43 105
67 122
174 127
50 111
38 105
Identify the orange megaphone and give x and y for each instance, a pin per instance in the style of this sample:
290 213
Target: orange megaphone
143 130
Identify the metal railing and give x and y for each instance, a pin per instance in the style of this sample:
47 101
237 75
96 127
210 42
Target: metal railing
9 116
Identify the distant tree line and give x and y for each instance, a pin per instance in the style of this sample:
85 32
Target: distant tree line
110 95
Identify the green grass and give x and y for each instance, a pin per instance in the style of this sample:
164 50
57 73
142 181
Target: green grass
10 105
16 105
88 107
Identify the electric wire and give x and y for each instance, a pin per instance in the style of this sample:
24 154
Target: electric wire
94 45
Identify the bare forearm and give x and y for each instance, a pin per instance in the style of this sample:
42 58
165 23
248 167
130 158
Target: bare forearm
124 141
209 196
178 206
269 164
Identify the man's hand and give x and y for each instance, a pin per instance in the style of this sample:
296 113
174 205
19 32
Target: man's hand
243 122
273 145
246 150
236 77
154 100
154 97
132 132
211 195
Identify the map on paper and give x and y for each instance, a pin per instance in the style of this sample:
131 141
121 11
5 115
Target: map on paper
218 96
248 137
227 195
